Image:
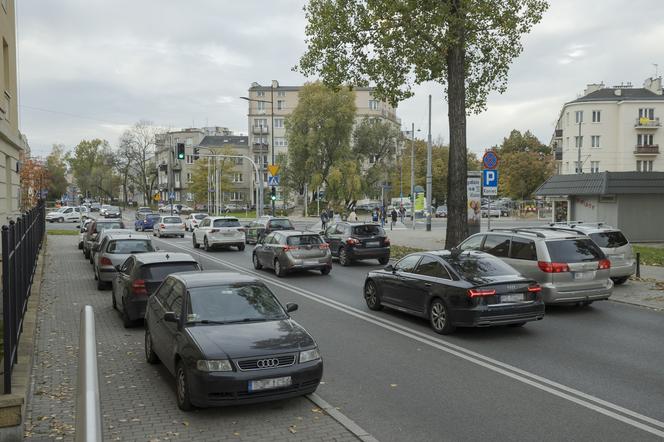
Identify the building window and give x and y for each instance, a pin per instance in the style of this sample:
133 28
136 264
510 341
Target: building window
278 123
260 122
237 177
260 105
594 167
597 116
281 93
578 117
264 177
578 141
238 161
5 64
644 166
280 142
264 160
577 169
189 177
644 140
594 141
189 142
647 112
373 104
567 118
281 104
260 93
189 159
237 196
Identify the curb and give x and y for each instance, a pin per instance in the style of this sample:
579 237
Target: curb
636 304
338 416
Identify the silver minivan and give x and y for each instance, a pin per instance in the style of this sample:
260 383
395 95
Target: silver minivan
289 250
568 265
114 250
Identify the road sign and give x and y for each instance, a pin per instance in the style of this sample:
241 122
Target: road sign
157 197
273 180
490 182
171 196
273 169
490 160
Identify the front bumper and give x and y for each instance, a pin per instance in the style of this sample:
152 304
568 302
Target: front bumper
487 316
368 253
552 295
231 388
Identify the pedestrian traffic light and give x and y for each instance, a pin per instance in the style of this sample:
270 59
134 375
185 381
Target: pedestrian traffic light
180 151
196 150
273 193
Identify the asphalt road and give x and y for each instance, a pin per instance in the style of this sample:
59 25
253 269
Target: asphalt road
580 374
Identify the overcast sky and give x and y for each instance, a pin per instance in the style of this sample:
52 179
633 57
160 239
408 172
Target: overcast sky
91 68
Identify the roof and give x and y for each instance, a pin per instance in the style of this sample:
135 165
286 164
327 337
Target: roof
157 257
626 94
213 277
604 183
295 232
224 140
297 88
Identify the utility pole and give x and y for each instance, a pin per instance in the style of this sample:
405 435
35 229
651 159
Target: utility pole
412 174
272 130
171 175
579 168
429 178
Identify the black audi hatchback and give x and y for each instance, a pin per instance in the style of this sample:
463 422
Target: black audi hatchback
228 340
451 289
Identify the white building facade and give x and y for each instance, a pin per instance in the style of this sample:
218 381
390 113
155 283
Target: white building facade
616 129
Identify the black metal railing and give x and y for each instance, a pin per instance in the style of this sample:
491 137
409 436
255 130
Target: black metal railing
21 241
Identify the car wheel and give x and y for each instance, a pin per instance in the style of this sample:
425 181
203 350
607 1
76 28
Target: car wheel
193 239
257 262
80 246
516 325
240 247
61 220
343 257
182 387
115 304
620 281
182 236
325 270
86 254
384 260
371 296
206 245
101 285
278 269
439 317
150 356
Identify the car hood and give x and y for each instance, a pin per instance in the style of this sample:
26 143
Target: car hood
250 339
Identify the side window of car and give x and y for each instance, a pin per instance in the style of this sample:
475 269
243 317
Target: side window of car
523 249
163 292
331 230
269 239
177 296
497 245
430 266
472 243
127 266
407 264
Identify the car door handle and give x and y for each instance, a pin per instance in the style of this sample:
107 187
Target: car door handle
427 284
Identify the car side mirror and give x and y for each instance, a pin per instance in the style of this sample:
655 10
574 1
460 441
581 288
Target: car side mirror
170 317
117 267
389 268
291 307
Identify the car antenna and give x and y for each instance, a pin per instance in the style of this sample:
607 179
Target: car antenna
168 256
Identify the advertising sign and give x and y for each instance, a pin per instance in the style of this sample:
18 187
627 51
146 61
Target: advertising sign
474 192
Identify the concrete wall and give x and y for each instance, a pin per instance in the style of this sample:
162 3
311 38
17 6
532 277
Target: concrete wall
640 217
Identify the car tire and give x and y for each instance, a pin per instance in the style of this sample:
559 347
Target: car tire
182 387
278 269
439 317
182 236
206 245
517 325
150 356
80 246
620 281
325 270
240 247
115 304
384 260
86 254
371 296
193 239
101 285
343 257
256 261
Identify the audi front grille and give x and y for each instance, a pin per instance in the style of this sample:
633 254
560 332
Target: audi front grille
267 362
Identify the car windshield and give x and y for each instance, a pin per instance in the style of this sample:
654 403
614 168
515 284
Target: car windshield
172 220
471 266
610 239
368 230
128 246
233 303
105 226
200 216
226 223
280 224
159 271
113 209
304 240
574 250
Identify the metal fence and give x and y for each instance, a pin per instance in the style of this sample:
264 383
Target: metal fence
21 241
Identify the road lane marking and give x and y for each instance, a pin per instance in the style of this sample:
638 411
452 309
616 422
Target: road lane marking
539 382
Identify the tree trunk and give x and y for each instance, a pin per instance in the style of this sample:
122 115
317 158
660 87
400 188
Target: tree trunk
457 203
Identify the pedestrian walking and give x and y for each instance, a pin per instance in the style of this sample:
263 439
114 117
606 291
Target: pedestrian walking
394 218
323 220
383 215
402 213
374 215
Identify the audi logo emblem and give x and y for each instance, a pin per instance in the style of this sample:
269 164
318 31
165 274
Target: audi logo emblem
267 363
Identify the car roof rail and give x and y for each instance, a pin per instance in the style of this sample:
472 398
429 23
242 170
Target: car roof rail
582 223
561 229
520 230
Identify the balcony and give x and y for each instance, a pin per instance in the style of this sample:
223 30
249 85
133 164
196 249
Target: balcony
558 154
558 133
259 130
260 147
647 123
652 149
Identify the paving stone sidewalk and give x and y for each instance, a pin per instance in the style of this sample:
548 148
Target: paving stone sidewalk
137 399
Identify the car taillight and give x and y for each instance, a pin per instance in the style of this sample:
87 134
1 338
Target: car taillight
352 241
603 264
324 246
475 293
163 226
535 288
104 261
138 287
386 242
552 267
289 248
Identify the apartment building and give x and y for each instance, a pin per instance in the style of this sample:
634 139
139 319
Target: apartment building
12 143
615 129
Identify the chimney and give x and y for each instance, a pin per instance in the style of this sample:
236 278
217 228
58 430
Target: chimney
590 88
653 85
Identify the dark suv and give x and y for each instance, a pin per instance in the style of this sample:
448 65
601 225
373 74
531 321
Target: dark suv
264 226
356 241
140 275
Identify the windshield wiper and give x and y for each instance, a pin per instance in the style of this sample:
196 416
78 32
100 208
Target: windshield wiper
207 321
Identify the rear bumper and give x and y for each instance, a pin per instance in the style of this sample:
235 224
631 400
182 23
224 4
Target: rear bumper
296 265
107 274
368 253
623 270
136 308
552 295
491 316
221 241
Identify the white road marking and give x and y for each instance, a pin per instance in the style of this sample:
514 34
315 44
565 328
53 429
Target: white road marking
601 406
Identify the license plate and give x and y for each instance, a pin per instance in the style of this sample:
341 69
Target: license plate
583 275
515 297
617 256
228 234
267 384
372 244
310 263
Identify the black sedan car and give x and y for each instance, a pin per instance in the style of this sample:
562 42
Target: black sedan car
228 340
262 227
140 275
468 289
355 241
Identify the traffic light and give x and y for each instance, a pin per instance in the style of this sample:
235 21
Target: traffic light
180 151
196 150
273 193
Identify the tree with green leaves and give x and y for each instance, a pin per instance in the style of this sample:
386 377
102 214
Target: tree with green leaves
465 45
525 163
56 168
84 161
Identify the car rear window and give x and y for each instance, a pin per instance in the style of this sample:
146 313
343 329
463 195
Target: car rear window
151 216
574 250
127 246
226 223
172 220
609 239
104 226
158 272
473 266
368 230
280 224
304 240
200 216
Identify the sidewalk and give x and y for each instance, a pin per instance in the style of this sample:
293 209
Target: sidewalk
137 399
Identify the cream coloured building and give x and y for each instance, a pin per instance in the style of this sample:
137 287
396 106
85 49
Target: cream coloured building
12 142
614 129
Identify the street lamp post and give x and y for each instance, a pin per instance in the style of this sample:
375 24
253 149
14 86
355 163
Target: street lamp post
412 174
429 177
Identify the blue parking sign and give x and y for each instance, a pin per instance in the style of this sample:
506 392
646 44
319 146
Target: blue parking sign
490 182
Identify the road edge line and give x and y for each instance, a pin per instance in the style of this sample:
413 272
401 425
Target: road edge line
341 418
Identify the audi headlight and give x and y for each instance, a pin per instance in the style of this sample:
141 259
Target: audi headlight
215 365
309 355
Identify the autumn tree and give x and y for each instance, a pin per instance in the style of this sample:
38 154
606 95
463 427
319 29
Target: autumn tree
466 46
525 163
34 178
